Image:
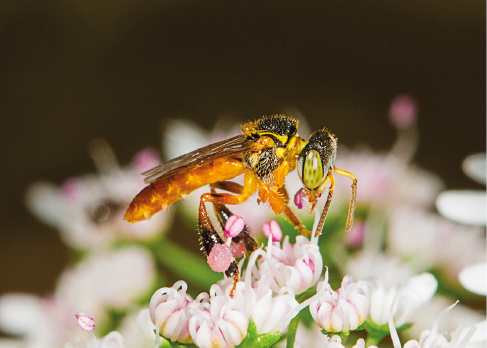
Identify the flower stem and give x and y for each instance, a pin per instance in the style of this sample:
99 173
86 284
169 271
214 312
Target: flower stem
373 339
291 332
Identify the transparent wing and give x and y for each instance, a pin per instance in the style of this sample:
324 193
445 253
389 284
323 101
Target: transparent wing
197 158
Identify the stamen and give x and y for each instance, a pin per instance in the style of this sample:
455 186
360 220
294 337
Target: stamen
392 328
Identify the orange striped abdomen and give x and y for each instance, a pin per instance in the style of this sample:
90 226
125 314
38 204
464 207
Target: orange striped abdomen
161 194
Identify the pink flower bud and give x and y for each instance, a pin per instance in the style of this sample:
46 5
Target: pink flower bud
341 310
85 322
235 224
403 111
220 257
273 229
299 198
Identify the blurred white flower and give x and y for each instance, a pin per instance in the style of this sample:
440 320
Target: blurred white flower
467 206
342 310
427 240
384 179
137 329
389 270
406 299
113 340
427 314
433 338
93 286
35 320
474 278
88 211
107 281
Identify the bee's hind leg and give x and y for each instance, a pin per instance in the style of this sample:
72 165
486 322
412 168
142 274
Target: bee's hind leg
223 214
209 238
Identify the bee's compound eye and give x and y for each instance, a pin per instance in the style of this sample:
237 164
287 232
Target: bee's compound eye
312 170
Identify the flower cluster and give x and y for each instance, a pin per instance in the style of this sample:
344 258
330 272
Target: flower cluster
337 290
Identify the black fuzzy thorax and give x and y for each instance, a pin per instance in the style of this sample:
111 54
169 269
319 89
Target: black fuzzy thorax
278 124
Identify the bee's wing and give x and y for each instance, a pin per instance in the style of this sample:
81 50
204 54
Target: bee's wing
197 158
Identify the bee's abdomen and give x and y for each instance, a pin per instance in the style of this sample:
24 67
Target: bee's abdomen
161 194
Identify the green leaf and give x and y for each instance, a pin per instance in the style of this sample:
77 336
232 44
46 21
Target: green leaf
291 332
254 340
375 332
185 264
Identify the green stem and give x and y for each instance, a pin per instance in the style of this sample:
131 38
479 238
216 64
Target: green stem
291 332
185 264
374 340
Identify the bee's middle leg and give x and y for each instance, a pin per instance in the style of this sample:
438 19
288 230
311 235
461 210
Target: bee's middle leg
208 236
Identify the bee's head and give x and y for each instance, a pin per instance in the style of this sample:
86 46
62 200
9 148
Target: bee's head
315 161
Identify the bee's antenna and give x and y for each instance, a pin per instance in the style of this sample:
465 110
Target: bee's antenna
353 199
327 206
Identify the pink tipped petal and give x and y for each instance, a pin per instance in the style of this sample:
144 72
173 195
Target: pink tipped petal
276 231
85 322
273 229
403 111
234 226
299 198
220 258
310 264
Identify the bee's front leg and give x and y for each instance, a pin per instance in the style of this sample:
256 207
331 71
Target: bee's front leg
278 202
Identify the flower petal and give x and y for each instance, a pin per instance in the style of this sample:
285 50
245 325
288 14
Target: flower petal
464 206
474 167
473 278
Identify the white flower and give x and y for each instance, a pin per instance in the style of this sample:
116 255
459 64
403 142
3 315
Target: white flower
342 310
408 298
384 179
113 340
467 206
427 314
137 329
168 312
299 264
434 339
106 281
223 324
474 278
427 240
388 269
88 211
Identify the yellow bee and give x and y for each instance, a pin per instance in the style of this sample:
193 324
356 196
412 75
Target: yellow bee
266 151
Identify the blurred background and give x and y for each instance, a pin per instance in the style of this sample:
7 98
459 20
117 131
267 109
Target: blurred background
73 71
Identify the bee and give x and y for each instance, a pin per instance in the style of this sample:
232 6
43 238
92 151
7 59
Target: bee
266 151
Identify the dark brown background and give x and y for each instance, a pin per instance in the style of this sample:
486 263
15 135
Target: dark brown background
75 70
